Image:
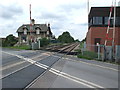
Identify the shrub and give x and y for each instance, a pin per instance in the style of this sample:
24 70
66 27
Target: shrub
44 42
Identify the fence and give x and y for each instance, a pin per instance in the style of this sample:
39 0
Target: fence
97 49
35 45
104 53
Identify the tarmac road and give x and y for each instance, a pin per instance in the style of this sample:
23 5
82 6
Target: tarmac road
73 72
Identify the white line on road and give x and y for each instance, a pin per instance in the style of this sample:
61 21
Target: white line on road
62 74
21 62
71 79
26 59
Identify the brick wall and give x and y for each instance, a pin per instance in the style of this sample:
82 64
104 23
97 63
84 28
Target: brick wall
100 32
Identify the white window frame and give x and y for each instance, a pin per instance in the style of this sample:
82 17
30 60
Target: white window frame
25 31
37 31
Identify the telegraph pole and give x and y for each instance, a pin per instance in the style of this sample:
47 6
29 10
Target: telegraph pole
30 25
30 13
88 6
88 12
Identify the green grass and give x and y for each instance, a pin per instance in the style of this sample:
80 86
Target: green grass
22 47
88 55
84 57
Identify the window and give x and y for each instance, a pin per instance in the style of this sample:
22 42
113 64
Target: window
23 38
90 23
25 31
117 20
38 31
106 21
47 32
97 21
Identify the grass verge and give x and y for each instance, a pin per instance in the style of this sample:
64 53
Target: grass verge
22 47
87 55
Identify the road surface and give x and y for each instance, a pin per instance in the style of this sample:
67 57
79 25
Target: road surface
43 69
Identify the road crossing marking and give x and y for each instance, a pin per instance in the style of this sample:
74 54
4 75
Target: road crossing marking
62 74
21 62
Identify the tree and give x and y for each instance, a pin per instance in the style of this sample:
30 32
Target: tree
77 40
9 41
65 38
83 40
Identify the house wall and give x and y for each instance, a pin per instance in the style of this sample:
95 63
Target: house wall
33 35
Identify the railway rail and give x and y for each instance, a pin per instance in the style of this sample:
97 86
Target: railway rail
69 48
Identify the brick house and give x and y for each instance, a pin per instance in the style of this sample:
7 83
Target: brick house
38 31
98 22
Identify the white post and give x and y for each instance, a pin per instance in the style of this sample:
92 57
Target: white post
98 50
39 43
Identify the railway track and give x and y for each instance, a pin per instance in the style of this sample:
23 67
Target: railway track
69 48
25 75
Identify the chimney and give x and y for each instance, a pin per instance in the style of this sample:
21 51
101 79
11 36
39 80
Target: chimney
32 21
48 24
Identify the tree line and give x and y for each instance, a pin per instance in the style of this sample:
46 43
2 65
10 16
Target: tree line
11 40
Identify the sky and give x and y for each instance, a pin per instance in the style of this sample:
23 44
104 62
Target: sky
63 15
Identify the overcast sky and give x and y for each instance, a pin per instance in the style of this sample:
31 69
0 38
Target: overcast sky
63 15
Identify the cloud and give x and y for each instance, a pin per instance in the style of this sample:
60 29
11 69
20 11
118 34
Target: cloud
84 24
72 6
51 16
8 29
9 12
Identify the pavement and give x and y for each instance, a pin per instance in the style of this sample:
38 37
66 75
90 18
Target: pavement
19 71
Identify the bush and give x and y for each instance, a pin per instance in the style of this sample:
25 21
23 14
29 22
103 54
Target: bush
44 42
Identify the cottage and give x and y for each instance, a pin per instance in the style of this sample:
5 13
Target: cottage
32 32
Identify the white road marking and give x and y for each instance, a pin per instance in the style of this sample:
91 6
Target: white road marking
62 74
71 79
21 62
26 59
74 78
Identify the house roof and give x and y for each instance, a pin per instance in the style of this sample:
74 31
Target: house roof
43 27
103 11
